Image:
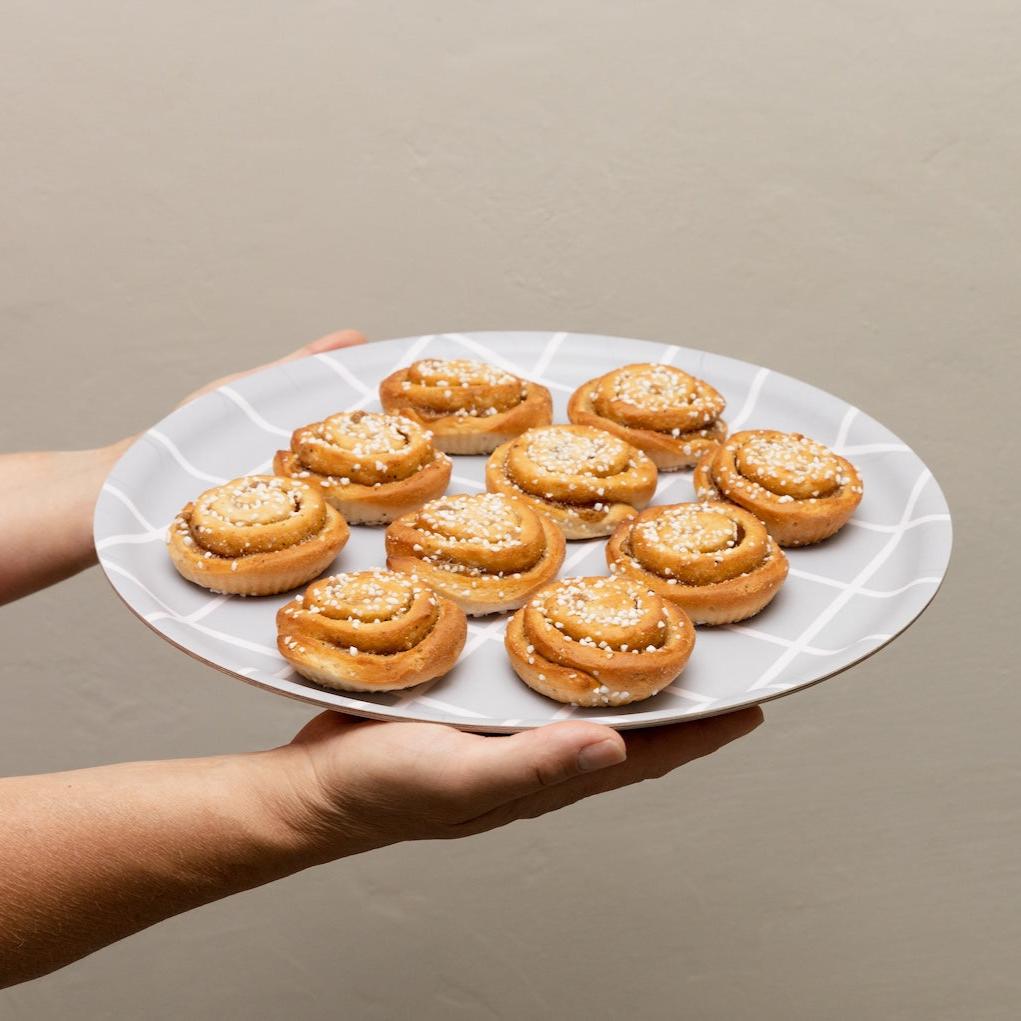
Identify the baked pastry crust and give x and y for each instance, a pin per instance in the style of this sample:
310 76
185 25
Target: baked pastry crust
660 409
255 536
370 631
488 552
372 467
599 641
715 560
802 491
586 480
470 407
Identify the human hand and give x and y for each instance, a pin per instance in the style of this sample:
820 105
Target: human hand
165 837
355 785
48 521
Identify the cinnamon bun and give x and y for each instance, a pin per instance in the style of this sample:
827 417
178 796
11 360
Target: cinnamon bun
802 491
370 631
256 536
715 560
372 467
470 407
586 480
672 416
487 552
599 641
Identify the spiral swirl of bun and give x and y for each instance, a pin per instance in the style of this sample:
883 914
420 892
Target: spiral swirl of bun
599 641
802 491
488 552
715 560
672 416
470 407
585 480
370 631
372 467
256 535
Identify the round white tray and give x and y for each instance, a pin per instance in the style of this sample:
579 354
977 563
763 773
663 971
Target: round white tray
844 599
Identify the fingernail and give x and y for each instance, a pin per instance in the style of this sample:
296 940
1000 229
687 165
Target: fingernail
600 755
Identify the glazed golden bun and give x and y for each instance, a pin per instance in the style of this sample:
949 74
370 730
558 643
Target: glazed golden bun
470 407
371 466
714 560
671 416
256 536
487 552
802 491
370 631
586 480
599 641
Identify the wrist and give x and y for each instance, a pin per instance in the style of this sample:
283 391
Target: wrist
270 807
89 469
300 823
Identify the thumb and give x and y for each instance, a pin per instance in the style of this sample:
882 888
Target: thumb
504 769
331 342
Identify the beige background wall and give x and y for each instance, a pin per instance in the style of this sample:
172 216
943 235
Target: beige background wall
828 187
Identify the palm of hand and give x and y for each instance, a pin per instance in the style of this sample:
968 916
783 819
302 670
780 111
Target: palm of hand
369 784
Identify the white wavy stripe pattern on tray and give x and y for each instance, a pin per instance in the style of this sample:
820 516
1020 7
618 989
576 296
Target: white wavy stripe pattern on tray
843 600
